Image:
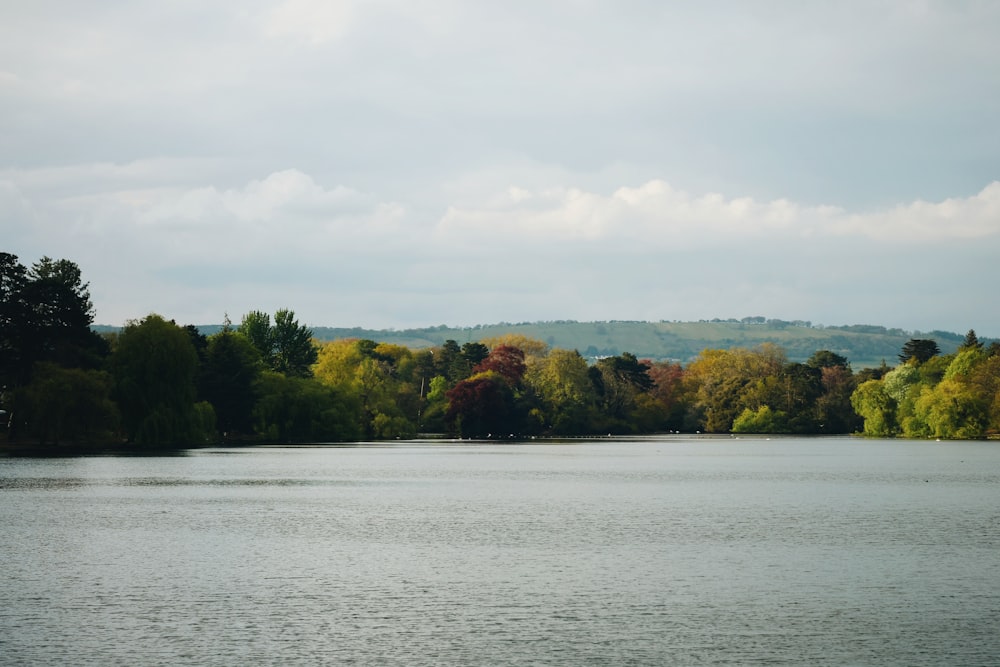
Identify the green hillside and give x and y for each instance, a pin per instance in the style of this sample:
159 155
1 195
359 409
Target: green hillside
864 345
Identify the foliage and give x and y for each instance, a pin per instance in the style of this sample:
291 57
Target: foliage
228 380
286 347
919 350
67 405
863 345
565 391
296 409
154 367
482 406
171 385
761 420
506 361
45 315
878 409
381 378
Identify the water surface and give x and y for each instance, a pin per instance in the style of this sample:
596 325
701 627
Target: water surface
650 551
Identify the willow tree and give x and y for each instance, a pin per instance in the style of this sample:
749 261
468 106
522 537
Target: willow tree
154 366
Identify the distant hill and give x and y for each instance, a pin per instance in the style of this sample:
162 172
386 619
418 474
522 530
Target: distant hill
864 345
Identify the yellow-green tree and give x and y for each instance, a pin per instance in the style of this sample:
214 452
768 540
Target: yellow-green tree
723 383
561 381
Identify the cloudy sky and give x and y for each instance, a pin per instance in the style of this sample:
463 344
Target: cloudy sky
398 164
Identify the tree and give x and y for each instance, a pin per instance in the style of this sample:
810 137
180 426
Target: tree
296 409
563 386
294 351
827 359
474 353
45 315
532 347
507 361
722 383
761 420
618 381
67 405
451 363
878 409
256 327
380 378
919 350
286 347
971 340
482 406
834 412
668 390
154 367
14 319
228 381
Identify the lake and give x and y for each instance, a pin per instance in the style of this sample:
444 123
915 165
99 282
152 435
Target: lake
649 551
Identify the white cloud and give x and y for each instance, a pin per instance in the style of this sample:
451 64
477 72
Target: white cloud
468 162
658 215
969 219
318 21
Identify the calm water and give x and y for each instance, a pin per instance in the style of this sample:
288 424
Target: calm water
651 552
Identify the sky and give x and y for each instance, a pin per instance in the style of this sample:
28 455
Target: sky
390 164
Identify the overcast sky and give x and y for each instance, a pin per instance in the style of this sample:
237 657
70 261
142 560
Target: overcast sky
398 164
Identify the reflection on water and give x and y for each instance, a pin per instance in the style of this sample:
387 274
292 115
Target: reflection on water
667 551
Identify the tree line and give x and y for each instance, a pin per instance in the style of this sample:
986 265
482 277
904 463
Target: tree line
158 384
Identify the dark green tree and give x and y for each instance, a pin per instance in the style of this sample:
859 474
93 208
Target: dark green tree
618 381
827 359
297 409
450 363
256 327
228 381
474 353
919 350
45 315
971 340
154 367
834 412
14 319
287 347
294 351
67 405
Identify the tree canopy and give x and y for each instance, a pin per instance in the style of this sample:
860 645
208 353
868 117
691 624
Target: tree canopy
160 384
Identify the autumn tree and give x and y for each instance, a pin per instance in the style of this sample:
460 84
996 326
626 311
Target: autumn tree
380 378
668 392
482 406
532 347
505 360
724 383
